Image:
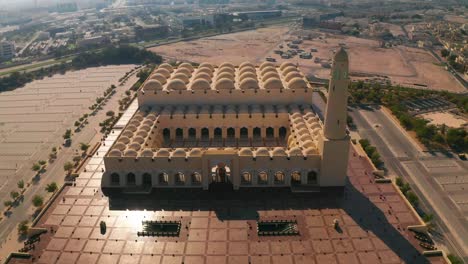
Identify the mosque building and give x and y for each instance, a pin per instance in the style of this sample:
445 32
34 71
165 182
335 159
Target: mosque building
243 126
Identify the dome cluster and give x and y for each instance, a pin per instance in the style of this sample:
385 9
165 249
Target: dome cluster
306 130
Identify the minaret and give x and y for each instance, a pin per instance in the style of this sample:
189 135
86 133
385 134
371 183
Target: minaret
336 111
334 145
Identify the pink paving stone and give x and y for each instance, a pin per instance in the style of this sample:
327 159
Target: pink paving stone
82 232
238 248
100 201
108 259
326 259
323 246
314 221
54 219
89 191
109 220
300 247
216 248
198 234
238 259
280 247
195 248
399 206
344 245
388 257
198 222
75 245
318 233
286 259
260 260
74 191
329 219
371 189
71 220
150 259
153 247
379 244
67 258
81 182
237 224
335 233
48 257
362 244
312 212
77 210
113 246
127 259
217 235
200 213
96 233
94 246
176 248
88 221
120 233
348 258
216 223
83 201
405 217
64 231
194 259
393 198
305 259
87 259
56 244
237 234
94 183
368 257
61 209
172 259
133 247
257 248
348 220
356 232
94 210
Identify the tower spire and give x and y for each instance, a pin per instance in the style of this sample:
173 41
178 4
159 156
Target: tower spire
336 110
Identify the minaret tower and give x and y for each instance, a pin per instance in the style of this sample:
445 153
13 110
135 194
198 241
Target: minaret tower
334 145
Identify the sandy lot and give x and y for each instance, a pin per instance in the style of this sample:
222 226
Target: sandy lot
34 118
449 119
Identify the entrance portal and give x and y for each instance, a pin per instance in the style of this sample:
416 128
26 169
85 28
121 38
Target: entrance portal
221 178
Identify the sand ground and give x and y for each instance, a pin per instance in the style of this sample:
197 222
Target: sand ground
449 119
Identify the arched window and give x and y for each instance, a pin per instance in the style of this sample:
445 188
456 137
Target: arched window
192 133
166 133
179 133
115 179
180 178
147 181
205 133
257 133
312 177
282 132
246 178
295 178
244 132
262 177
163 178
270 132
231 132
279 177
218 133
131 179
196 178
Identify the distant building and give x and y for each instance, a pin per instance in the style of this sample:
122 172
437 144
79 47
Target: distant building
43 35
257 15
91 41
203 20
7 50
151 32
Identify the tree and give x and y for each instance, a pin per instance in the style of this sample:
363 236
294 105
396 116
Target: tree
23 227
37 201
8 203
444 53
68 167
412 198
14 195
51 187
42 162
405 188
67 134
399 181
36 167
110 113
84 147
20 184
454 259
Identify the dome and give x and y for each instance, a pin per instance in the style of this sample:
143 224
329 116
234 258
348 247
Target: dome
187 66
278 151
181 76
123 140
138 117
151 117
269 75
245 152
158 77
166 66
308 144
176 85
184 71
301 126
309 115
296 115
132 128
135 146
152 85
148 122
226 69
249 83
247 69
292 75
147 153
196 152
180 152
204 76
205 70
135 123
200 84
226 75
247 75
303 131
266 64
127 133
115 153
262 152
246 64
145 128
310 151
267 70
284 65
224 84
273 83
297 83
305 137
163 153
206 65
288 70
295 152
139 139
142 134
164 72
226 64
130 153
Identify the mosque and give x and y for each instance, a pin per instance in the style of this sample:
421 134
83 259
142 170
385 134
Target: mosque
242 126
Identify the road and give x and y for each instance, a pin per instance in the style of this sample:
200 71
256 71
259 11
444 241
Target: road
404 158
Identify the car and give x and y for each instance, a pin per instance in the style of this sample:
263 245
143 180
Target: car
271 59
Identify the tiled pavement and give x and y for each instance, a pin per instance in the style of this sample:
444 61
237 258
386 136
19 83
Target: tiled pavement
373 220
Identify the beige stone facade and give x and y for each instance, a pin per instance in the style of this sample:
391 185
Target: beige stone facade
246 125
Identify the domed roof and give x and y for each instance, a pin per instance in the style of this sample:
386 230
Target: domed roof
246 64
124 140
138 117
305 137
310 151
195 152
226 64
132 128
266 64
297 83
279 151
206 70
273 83
135 146
145 128
249 83
226 75
135 122
166 66
147 122
300 126
247 75
288 70
226 69
180 152
284 65
247 69
159 77
151 117
176 85
142 133
186 65
309 115
303 131
115 153
224 84
130 153
152 85
269 75
206 65
164 72
267 70
127 133
262 152
147 153
291 75
200 84
181 76
203 76
139 139
184 71
163 153
245 152
295 151
308 144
